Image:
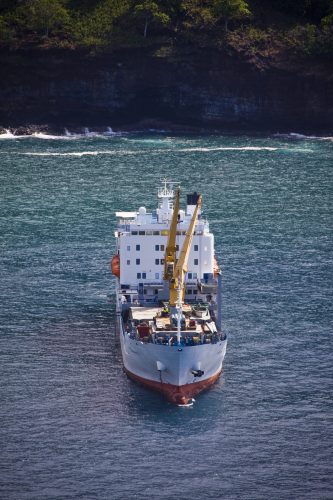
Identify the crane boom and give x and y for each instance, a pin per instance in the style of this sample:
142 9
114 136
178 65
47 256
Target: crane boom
170 251
180 269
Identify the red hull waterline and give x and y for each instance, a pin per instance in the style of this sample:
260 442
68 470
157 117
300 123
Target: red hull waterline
180 395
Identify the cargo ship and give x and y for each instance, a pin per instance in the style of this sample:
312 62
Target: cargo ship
168 297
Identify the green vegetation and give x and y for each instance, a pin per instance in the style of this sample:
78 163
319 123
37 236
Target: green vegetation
260 30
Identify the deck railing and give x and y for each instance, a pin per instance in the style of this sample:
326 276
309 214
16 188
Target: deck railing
170 338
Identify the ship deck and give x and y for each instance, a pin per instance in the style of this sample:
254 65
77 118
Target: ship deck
157 325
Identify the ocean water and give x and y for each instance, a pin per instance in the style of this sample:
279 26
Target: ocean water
71 424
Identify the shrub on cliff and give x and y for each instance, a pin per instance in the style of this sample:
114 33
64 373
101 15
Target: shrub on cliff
150 12
209 13
260 31
41 16
325 37
96 26
6 32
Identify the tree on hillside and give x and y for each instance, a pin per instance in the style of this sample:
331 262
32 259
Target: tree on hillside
326 36
6 33
198 13
149 11
42 16
95 27
205 13
230 9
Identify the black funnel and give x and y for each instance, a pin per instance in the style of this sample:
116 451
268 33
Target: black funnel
192 198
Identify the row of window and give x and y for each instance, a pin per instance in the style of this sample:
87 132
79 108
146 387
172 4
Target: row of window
137 262
144 276
157 262
141 276
163 232
160 248
188 292
137 247
157 277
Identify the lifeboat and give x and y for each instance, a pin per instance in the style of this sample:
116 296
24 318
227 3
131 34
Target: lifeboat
115 265
216 268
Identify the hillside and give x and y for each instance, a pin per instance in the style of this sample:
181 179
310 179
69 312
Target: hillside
213 63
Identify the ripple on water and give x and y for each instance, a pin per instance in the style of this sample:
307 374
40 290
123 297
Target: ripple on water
73 425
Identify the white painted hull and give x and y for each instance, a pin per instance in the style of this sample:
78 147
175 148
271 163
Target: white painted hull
143 361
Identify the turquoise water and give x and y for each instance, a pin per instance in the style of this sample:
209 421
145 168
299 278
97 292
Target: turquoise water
72 424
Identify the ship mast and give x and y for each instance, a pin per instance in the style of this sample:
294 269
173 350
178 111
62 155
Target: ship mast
170 251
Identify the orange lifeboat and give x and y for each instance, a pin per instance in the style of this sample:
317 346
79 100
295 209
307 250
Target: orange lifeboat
115 265
216 267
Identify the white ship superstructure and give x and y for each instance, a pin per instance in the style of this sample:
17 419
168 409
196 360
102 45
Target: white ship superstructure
169 297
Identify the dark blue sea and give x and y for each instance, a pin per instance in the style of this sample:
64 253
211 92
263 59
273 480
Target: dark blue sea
72 426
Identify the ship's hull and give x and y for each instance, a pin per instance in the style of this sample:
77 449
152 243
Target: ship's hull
180 373
180 395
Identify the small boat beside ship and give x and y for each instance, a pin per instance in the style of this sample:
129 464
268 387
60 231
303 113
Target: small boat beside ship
168 297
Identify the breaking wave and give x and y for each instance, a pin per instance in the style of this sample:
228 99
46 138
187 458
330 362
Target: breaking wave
8 134
230 148
162 151
84 153
297 136
87 133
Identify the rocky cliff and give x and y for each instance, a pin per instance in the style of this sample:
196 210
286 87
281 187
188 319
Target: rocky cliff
205 89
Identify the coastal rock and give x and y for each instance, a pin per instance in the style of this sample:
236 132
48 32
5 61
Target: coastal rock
200 90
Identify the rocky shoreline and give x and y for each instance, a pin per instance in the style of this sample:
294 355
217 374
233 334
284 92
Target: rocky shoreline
72 130
134 91
152 126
